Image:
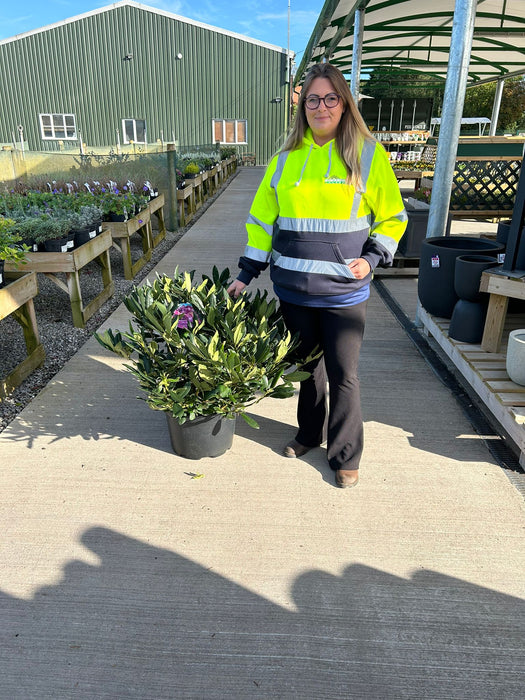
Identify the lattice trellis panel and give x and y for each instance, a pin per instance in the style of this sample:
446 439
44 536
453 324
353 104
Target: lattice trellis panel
485 184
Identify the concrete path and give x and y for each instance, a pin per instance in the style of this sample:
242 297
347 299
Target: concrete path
121 576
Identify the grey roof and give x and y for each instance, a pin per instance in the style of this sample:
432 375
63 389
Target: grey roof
147 8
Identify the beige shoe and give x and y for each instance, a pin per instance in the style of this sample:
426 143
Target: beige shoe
346 478
295 449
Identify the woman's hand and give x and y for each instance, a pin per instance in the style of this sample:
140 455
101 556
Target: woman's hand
360 268
236 288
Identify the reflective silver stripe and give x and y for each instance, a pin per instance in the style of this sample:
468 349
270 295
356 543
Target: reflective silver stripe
324 225
315 267
386 242
268 228
355 205
367 155
281 160
256 254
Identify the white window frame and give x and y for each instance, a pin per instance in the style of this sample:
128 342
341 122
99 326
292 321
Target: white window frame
236 122
54 127
134 121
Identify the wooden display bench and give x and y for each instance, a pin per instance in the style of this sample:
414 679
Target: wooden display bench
500 288
184 205
198 191
156 207
485 373
403 266
121 232
70 263
16 299
213 180
416 175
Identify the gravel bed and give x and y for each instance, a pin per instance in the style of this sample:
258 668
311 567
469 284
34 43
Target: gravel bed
61 340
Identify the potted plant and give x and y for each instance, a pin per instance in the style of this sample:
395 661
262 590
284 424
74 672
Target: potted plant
141 200
85 223
52 233
10 247
116 206
192 171
203 358
181 182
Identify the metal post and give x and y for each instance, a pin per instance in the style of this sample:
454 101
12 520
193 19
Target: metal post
496 107
453 101
379 116
172 185
357 47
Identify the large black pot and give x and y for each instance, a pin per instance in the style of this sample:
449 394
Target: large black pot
437 269
204 436
467 275
468 321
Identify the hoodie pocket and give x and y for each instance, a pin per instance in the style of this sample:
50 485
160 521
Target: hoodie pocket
313 250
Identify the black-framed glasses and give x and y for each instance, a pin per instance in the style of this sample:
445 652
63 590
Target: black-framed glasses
331 100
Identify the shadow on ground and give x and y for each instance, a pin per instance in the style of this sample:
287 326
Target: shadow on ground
149 623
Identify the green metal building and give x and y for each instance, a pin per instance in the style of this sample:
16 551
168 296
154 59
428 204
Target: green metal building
129 73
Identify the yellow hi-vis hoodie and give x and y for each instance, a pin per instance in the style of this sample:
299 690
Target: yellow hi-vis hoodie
310 225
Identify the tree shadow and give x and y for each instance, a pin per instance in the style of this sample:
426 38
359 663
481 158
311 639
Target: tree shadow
149 623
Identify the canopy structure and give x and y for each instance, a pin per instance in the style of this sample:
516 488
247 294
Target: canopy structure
453 43
416 35
480 122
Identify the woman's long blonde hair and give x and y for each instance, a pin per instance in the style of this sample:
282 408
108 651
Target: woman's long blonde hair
351 130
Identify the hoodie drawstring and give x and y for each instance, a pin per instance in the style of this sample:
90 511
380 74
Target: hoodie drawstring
304 166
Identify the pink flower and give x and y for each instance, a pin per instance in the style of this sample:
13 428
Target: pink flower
185 314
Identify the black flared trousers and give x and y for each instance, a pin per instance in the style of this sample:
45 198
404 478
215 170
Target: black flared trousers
338 333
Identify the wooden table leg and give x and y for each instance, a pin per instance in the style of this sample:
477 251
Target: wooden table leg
161 225
126 257
494 323
75 295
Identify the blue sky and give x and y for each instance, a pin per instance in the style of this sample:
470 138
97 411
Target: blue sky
265 20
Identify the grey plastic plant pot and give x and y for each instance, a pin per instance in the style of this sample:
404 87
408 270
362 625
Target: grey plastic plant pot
205 436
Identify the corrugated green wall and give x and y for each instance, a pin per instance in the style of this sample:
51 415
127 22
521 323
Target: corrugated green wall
78 67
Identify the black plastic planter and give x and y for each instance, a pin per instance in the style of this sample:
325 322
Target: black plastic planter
468 321
437 269
56 245
467 275
84 235
205 436
468 318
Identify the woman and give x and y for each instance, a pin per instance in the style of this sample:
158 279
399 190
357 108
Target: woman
327 212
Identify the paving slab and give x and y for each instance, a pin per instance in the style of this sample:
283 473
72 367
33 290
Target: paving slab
122 576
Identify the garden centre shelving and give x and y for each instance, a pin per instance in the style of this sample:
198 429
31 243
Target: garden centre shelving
71 263
403 145
16 299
